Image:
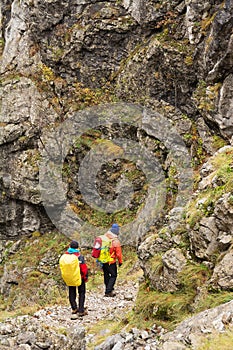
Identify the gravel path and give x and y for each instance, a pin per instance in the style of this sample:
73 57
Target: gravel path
52 327
98 306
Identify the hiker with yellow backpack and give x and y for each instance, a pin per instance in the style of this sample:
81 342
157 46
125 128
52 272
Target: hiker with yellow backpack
74 272
107 250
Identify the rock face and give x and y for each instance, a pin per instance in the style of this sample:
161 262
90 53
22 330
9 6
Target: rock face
170 57
217 319
222 275
55 57
203 236
215 231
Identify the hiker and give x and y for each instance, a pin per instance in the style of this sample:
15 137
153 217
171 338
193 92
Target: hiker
110 268
80 310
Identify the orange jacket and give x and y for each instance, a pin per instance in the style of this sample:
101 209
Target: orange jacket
115 250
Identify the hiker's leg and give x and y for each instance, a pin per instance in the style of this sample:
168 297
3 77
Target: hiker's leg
112 268
81 296
106 275
72 297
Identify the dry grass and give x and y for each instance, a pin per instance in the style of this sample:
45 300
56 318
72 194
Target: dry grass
223 341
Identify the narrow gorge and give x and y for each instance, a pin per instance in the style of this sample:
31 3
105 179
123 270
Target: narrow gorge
117 111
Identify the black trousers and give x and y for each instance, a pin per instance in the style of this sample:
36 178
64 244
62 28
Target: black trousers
81 297
110 276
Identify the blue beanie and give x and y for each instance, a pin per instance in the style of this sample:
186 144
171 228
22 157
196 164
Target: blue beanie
115 229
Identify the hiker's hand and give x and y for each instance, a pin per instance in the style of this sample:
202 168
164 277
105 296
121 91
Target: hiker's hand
120 264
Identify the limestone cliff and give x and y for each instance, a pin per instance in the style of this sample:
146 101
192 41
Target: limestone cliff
173 58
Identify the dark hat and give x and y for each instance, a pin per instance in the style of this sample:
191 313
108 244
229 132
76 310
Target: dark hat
115 229
74 244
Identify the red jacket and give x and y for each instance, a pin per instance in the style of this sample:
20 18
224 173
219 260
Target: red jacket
83 266
115 250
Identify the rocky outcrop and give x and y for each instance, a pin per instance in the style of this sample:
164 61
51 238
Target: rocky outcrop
170 59
63 57
222 275
163 275
202 236
29 333
191 332
214 233
188 335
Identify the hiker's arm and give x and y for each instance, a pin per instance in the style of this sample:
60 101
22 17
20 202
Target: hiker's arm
118 251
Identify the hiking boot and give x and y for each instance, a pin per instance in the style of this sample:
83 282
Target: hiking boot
111 294
81 314
74 311
74 317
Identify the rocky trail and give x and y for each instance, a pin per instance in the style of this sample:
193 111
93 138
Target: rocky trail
53 328
98 306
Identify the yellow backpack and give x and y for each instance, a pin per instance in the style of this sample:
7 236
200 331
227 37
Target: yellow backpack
105 256
70 269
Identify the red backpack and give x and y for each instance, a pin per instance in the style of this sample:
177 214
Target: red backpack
101 249
96 247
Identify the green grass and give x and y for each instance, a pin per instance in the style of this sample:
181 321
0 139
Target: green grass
28 294
168 309
193 276
212 299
